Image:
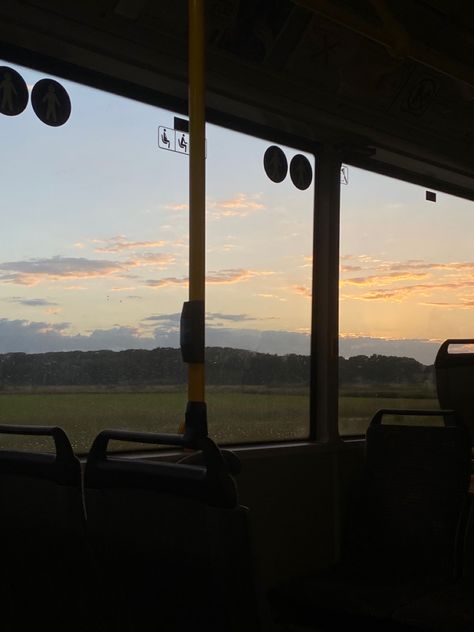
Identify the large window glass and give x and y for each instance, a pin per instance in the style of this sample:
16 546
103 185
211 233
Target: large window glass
406 285
258 293
94 271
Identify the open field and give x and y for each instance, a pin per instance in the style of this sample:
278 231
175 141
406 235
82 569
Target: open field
355 413
235 415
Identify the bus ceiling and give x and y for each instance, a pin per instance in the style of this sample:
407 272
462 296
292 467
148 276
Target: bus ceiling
389 83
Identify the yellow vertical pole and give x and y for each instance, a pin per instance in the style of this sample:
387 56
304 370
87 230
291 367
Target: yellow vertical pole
197 181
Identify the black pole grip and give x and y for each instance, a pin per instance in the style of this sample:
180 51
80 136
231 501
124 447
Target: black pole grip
192 332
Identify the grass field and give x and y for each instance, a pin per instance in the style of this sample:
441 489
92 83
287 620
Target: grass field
244 415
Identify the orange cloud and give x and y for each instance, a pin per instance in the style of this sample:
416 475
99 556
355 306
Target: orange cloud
392 277
169 281
242 200
302 290
152 259
362 258
31 272
177 207
34 271
396 294
348 268
119 244
371 263
224 277
239 206
234 275
425 289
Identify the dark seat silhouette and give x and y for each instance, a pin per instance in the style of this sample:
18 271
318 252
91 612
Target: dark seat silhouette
451 608
402 538
42 530
171 539
455 379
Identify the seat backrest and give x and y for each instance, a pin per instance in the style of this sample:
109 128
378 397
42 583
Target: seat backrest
413 497
455 379
171 539
42 529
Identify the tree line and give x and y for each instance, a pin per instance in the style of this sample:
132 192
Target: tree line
224 366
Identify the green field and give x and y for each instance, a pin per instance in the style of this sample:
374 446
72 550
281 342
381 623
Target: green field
356 412
235 415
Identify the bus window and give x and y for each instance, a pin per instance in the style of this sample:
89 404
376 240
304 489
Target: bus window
259 264
94 272
405 286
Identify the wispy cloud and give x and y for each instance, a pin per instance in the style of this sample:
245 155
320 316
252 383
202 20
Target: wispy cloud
235 318
33 271
177 207
224 277
423 289
349 268
121 243
366 262
151 259
167 282
392 277
444 283
31 302
174 318
362 258
268 295
165 318
122 289
241 205
235 275
302 290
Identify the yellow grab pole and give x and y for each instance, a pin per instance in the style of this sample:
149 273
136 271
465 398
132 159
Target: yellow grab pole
192 319
197 179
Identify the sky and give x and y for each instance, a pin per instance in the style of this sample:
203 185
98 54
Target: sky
94 243
94 240
406 268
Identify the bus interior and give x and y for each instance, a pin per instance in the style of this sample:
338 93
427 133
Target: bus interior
323 481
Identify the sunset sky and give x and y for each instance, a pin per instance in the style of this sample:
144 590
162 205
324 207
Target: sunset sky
407 266
94 246
94 243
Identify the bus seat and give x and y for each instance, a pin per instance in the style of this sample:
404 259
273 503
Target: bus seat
454 380
450 609
171 538
42 530
402 537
